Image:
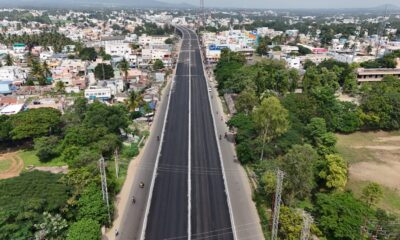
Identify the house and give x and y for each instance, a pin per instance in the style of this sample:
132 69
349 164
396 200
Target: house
19 47
12 109
376 74
5 87
102 93
13 73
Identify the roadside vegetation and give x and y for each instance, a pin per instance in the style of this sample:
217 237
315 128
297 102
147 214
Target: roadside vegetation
295 132
43 205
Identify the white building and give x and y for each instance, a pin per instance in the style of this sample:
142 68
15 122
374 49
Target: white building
93 93
152 40
13 73
293 62
117 48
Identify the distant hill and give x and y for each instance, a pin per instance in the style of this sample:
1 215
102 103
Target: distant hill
92 4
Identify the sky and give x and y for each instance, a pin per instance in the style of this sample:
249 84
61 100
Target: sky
289 3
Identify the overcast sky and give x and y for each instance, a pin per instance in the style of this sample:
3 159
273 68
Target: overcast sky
289 3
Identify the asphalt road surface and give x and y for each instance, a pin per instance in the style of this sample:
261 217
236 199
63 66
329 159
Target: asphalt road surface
189 196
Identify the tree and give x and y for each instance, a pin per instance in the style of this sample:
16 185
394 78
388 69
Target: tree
340 215
91 205
334 172
169 41
88 54
85 229
23 199
9 60
298 165
60 86
271 119
350 83
303 50
246 101
158 64
134 101
35 123
46 148
369 49
51 228
322 139
124 68
103 71
372 194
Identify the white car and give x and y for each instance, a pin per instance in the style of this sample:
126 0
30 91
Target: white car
209 89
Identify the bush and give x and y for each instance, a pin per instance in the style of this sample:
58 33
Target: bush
46 148
131 151
85 229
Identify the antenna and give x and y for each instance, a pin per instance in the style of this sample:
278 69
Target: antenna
116 159
104 189
277 205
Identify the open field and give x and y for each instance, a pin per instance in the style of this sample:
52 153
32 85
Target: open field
10 165
373 156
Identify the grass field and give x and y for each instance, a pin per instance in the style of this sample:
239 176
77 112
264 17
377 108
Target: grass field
30 159
373 157
5 164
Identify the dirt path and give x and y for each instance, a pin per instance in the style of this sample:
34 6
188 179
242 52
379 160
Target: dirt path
16 165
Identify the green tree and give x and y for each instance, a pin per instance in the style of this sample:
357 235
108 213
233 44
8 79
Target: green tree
9 60
88 54
158 64
134 101
246 101
46 148
322 139
60 87
35 123
124 68
334 172
290 224
52 227
340 215
103 71
85 229
372 194
169 41
271 118
91 205
298 165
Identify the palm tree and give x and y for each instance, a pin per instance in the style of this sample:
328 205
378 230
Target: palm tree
124 67
9 60
45 69
60 86
134 100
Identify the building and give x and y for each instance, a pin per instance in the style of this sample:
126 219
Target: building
14 74
93 93
11 109
117 48
5 87
19 48
152 40
376 74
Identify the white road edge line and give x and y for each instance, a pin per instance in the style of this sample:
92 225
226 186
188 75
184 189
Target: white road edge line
219 147
190 150
143 232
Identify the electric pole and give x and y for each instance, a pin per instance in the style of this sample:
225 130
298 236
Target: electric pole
104 189
277 205
116 159
307 221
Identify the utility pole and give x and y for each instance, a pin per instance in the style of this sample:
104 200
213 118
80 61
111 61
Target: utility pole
116 159
104 189
307 221
277 205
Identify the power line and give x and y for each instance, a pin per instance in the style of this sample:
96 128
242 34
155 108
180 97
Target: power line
104 189
277 204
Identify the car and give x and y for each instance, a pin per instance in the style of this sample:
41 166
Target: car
209 89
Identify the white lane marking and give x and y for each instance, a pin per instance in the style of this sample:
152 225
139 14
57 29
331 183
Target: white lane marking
219 148
190 151
146 215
